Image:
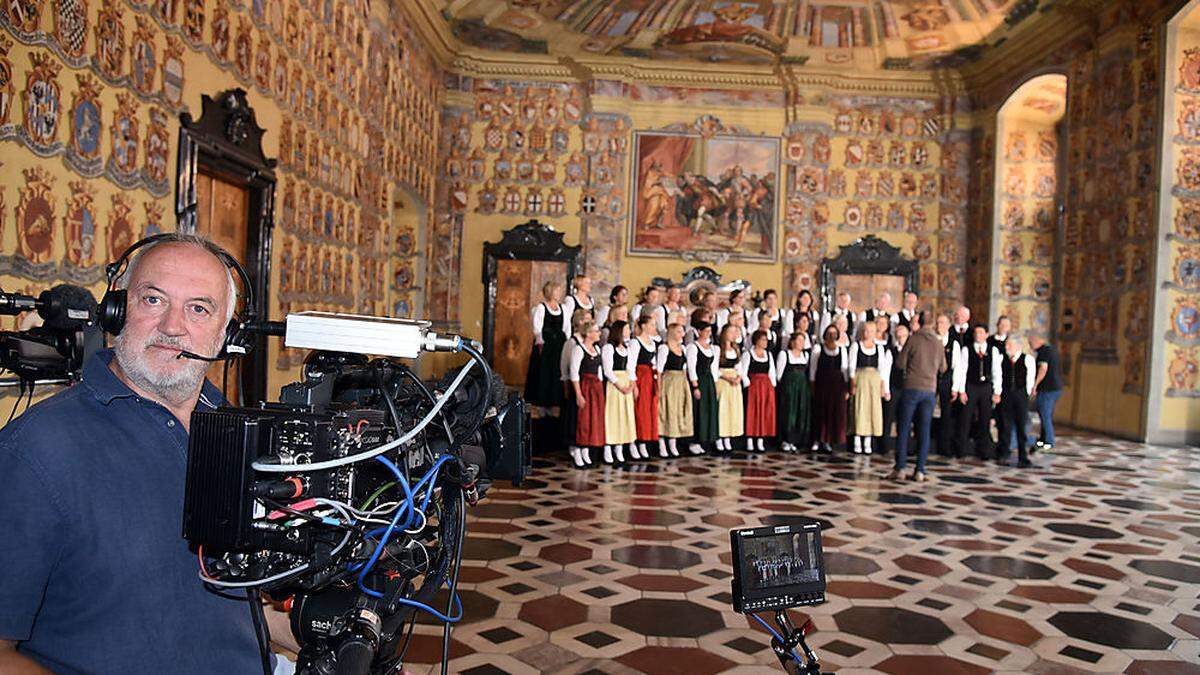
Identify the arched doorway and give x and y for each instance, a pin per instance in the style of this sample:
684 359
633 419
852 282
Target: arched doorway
1173 396
1027 204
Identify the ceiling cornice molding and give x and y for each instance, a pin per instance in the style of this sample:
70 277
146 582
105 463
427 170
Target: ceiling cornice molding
428 23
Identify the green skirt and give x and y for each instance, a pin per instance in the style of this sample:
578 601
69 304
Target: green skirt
795 407
705 414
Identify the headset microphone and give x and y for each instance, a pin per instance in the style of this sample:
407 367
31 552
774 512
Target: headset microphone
183 354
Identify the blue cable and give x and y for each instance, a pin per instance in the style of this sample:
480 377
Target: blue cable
387 533
778 637
436 614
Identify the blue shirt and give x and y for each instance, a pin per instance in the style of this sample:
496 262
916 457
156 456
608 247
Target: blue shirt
95 576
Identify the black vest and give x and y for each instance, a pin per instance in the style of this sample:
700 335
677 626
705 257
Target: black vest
590 364
620 361
849 321
979 369
867 360
907 322
645 356
873 313
757 366
1014 375
674 361
951 345
727 362
703 361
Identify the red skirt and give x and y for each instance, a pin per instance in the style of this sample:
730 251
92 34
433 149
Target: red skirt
645 409
760 406
589 429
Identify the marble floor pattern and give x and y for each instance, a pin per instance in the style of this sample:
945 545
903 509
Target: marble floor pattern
1089 564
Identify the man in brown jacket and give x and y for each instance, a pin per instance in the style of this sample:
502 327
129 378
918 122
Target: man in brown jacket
922 359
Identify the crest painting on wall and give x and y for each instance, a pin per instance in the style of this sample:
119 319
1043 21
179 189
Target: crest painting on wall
715 194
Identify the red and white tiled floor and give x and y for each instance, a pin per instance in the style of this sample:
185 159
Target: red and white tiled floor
1091 563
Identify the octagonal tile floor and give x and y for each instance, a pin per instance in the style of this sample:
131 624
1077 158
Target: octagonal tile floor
1090 564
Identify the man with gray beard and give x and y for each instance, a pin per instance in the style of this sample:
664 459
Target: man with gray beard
94 575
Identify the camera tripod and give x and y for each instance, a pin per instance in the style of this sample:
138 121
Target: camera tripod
785 649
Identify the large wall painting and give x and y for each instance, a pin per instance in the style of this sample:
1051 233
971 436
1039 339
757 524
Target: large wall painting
705 195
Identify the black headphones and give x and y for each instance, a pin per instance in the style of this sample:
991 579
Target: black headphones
113 306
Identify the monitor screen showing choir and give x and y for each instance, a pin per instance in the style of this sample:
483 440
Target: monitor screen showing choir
780 560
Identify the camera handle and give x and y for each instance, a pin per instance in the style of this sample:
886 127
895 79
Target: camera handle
794 638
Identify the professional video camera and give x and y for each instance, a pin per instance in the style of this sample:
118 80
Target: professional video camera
57 349
776 568
346 499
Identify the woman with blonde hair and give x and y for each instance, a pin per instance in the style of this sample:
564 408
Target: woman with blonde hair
551 323
619 395
643 353
731 413
870 375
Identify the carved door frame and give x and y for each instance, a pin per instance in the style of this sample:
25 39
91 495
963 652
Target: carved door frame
868 255
227 142
531 240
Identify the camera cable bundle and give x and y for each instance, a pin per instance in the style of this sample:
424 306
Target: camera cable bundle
345 500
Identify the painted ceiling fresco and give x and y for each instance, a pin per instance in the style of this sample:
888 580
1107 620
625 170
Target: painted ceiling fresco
858 33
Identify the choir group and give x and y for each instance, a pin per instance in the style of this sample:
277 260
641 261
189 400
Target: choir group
630 381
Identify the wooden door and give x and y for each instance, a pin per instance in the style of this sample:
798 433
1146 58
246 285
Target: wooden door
864 288
518 289
223 216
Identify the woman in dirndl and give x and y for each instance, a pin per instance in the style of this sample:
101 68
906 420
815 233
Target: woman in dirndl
795 398
550 327
870 372
759 365
618 397
827 370
675 395
589 393
731 411
702 373
643 351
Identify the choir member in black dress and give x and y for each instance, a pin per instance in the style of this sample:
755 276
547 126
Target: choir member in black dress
703 375
645 409
828 370
737 306
805 306
1017 374
764 325
570 412
891 406
589 393
980 393
675 414
794 394
581 296
781 323
649 305
543 383
758 363
618 296
619 393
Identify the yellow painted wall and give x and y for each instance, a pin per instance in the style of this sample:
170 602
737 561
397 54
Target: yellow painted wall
335 56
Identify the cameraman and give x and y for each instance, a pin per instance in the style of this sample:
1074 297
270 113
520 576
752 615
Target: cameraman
94 575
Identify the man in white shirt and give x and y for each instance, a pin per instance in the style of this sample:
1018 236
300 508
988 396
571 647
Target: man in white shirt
949 386
961 330
880 309
905 316
841 308
1018 373
979 392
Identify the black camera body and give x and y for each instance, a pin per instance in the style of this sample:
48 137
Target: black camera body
347 498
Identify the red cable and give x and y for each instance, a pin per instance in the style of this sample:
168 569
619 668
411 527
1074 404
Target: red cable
200 555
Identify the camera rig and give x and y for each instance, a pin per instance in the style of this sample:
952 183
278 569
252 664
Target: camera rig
346 499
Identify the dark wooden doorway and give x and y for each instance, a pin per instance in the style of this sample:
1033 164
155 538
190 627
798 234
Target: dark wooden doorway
226 192
514 271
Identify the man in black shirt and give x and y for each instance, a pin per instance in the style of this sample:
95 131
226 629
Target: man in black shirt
1047 387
